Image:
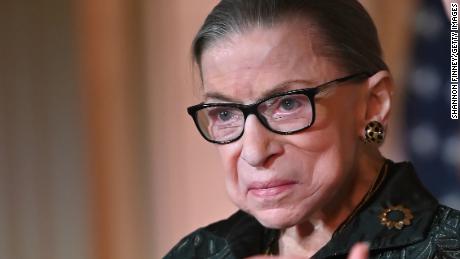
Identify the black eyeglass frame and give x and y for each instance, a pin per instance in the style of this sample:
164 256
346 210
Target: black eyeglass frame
249 109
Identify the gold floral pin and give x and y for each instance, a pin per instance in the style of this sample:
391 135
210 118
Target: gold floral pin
396 217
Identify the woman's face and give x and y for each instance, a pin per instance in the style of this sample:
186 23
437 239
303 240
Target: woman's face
283 179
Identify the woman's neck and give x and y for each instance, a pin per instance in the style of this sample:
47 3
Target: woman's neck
307 238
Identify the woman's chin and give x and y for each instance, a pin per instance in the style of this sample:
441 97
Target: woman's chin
277 218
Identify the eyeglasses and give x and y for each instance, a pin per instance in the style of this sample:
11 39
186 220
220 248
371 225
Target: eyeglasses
282 113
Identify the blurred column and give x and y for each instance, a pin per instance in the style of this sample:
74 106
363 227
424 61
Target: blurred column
43 209
112 88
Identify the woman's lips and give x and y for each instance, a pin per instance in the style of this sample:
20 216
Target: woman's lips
270 189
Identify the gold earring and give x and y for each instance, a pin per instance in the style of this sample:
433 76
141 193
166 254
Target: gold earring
374 133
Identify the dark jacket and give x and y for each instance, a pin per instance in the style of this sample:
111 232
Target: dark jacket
431 230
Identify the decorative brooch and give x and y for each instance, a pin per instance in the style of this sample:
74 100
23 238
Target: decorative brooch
396 217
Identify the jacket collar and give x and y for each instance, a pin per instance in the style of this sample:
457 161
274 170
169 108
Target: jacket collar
400 187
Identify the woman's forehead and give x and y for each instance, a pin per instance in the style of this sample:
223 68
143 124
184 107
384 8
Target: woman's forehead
245 65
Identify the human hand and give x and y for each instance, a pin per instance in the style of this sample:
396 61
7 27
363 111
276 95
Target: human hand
358 251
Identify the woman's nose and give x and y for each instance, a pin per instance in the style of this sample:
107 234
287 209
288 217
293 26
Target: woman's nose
259 143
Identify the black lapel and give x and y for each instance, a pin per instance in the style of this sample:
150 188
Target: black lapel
400 187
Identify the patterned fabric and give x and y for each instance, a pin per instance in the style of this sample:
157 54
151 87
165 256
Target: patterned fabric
434 230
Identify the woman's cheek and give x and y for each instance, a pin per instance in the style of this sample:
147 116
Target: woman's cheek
229 155
237 197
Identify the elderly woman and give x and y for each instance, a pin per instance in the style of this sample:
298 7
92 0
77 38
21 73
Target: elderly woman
296 98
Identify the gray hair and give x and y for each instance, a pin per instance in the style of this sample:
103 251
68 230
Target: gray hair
346 32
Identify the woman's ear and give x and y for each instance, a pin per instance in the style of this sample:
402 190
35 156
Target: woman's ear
378 99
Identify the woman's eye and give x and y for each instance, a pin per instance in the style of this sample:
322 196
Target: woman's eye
288 104
225 115
221 115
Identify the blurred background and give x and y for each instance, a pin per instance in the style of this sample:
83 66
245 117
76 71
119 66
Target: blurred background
98 158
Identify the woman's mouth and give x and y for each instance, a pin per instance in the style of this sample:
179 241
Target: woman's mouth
270 188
